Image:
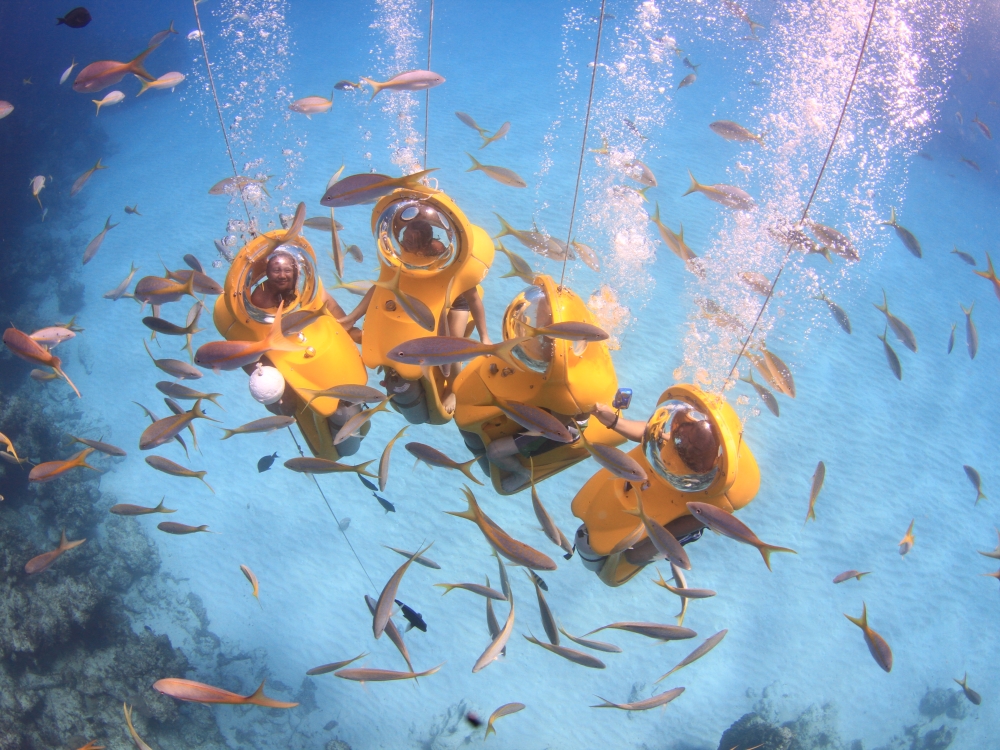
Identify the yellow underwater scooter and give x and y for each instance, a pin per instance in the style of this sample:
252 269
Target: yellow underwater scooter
429 254
729 479
329 356
566 378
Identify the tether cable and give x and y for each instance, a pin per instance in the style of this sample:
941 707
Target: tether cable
583 146
218 110
427 93
812 195
330 508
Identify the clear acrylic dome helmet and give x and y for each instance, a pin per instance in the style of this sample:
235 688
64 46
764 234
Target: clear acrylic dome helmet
255 273
533 308
417 233
683 446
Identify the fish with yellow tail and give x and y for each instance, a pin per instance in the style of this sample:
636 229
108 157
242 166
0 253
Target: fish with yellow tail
657 700
475 588
334 666
42 562
910 242
411 80
92 745
231 355
498 645
417 311
616 461
650 630
392 632
112 97
976 481
553 532
163 430
176 470
665 542
254 583
519 267
729 196
82 179
817 484
501 133
515 551
538 242
383 607
433 457
23 346
682 591
505 710
198 692
536 421
363 675
355 423
990 275
266 424
9 447
131 729
609 648
710 643
570 654
877 646
310 465
728 525
367 187
974 697
435 351
849 574
898 327
504 176
99 75
127 509
765 395
674 241
383 463
906 543
46 472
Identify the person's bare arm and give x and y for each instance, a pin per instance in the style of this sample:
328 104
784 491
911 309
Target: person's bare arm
478 313
358 312
632 429
334 307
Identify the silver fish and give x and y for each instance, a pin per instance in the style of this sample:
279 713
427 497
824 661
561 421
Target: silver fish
95 244
909 241
411 80
729 196
119 291
899 328
971 334
504 176
657 700
733 131
577 657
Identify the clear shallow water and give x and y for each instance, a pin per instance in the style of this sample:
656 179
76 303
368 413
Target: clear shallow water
893 450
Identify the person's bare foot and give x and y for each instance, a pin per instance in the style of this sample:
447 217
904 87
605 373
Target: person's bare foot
449 403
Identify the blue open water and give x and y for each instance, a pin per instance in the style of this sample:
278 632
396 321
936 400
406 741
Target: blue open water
894 450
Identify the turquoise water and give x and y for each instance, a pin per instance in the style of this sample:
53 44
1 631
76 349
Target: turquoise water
894 450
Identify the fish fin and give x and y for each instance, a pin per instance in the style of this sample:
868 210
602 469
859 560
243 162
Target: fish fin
475 164
989 273
201 476
360 469
504 351
229 433
767 549
212 396
108 225
259 699
98 103
376 86
276 340
466 469
969 311
416 177
146 85
695 187
295 228
446 586
160 509
505 228
57 366
472 512
136 65
892 219
196 410
861 622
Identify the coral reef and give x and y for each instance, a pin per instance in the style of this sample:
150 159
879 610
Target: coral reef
815 728
68 654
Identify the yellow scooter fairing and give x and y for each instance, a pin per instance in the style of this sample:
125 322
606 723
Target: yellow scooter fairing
331 357
602 501
564 377
435 280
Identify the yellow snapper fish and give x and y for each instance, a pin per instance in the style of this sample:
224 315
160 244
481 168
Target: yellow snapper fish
733 131
411 80
674 241
231 355
311 105
877 646
112 97
82 179
505 710
729 196
37 185
728 525
504 176
538 242
166 81
644 705
515 551
501 132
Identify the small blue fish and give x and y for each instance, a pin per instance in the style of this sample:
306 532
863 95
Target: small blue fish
265 463
370 485
389 507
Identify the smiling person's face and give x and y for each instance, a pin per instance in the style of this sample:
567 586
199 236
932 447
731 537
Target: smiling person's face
281 272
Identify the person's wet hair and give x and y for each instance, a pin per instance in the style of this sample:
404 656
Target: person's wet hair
696 445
